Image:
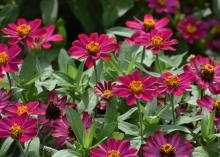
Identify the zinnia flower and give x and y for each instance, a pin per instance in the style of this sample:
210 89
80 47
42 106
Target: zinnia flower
22 31
31 108
8 60
5 98
133 86
174 84
191 29
63 131
163 6
161 146
18 127
207 74
105 89
93 47
114 148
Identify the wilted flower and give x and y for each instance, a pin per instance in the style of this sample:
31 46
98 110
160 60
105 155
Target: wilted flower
133 86
114 148
92 47
105 89
5 98
18 127
161 146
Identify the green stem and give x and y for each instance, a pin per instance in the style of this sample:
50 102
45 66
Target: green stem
9 79
173 109
96 74
202 92
142 55
21 149
141 121
158 63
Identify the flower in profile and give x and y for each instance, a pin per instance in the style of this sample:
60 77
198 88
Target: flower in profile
163 6
164 146
8 60
93 47
5 97
105 89
191 29
43 36
157 40
63 131
148 24
18 127
133 86
207 74
114 148
22 31
174 84
31 108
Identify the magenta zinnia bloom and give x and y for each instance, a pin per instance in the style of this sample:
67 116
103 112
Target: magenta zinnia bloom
18 127
207 74
163 6
174 84
114 148
8 60
5 98
31 108
93 47
191 29
43 36
161 146
133 86
63 131
22 31
105 89
157 40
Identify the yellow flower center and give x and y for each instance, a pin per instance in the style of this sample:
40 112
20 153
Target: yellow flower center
3 58
107 92
149 24
1 80
216 106
136 86
157 41
173 81
113 153
15 131
161 2
23 30
167 150
191 29
22 109
207 72
93 48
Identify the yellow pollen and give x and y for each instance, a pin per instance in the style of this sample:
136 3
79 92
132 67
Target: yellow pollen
157 41
161 2
136 86
3 58
173 81
167 150
191 29
207 72
149 24
22 109
23 30
107 92
1 80
113 153
93 48
217 104
15 131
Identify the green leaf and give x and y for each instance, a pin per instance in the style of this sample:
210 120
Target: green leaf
187 119
5 146
63 60
121 31
33 147
216 8
49 9
66 153
172 128
76 124
128 128
200 152
89 136
127 115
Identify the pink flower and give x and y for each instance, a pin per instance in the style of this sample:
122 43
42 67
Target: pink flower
43 36
63 131
207 74
31 108
18 127
105 89
22 31
157 40
161 146
5 97
133 86
174 84
207 102
191 29
92 47
148 24
163 6
8 60
114 148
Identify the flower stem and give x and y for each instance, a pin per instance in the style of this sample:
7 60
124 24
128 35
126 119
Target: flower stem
21 149
142 55
173 109
96 74
157 62
9 79
141 121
